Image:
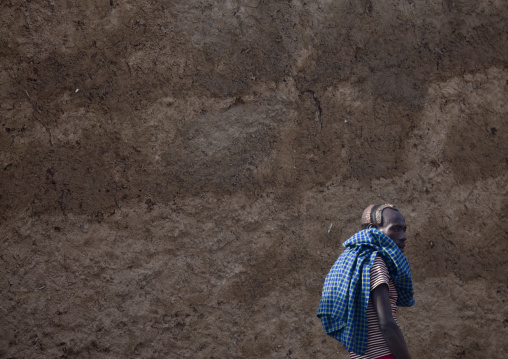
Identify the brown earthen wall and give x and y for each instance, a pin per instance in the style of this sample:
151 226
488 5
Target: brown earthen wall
177 177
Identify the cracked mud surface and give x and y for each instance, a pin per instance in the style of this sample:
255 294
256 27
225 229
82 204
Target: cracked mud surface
178 176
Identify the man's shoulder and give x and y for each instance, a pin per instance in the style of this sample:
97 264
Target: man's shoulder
379 264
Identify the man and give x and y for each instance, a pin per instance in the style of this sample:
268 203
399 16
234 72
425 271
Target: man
366 284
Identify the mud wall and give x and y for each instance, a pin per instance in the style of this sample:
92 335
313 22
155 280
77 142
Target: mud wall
177 177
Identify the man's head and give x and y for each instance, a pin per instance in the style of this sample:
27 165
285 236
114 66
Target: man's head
388 220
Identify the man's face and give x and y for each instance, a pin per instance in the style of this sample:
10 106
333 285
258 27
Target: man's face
394 226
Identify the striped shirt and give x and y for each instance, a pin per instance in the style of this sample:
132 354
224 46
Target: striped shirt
376 345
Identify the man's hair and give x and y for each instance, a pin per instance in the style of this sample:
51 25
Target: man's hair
373 215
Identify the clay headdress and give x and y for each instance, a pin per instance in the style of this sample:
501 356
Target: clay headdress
373 214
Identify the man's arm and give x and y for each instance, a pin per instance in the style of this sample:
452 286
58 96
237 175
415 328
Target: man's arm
389 328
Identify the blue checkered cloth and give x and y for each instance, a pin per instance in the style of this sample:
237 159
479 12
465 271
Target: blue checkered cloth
343 306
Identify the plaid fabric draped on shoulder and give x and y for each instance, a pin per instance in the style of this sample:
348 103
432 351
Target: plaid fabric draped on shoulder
346 291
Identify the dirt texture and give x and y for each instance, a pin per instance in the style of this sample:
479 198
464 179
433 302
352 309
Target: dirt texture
177 177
